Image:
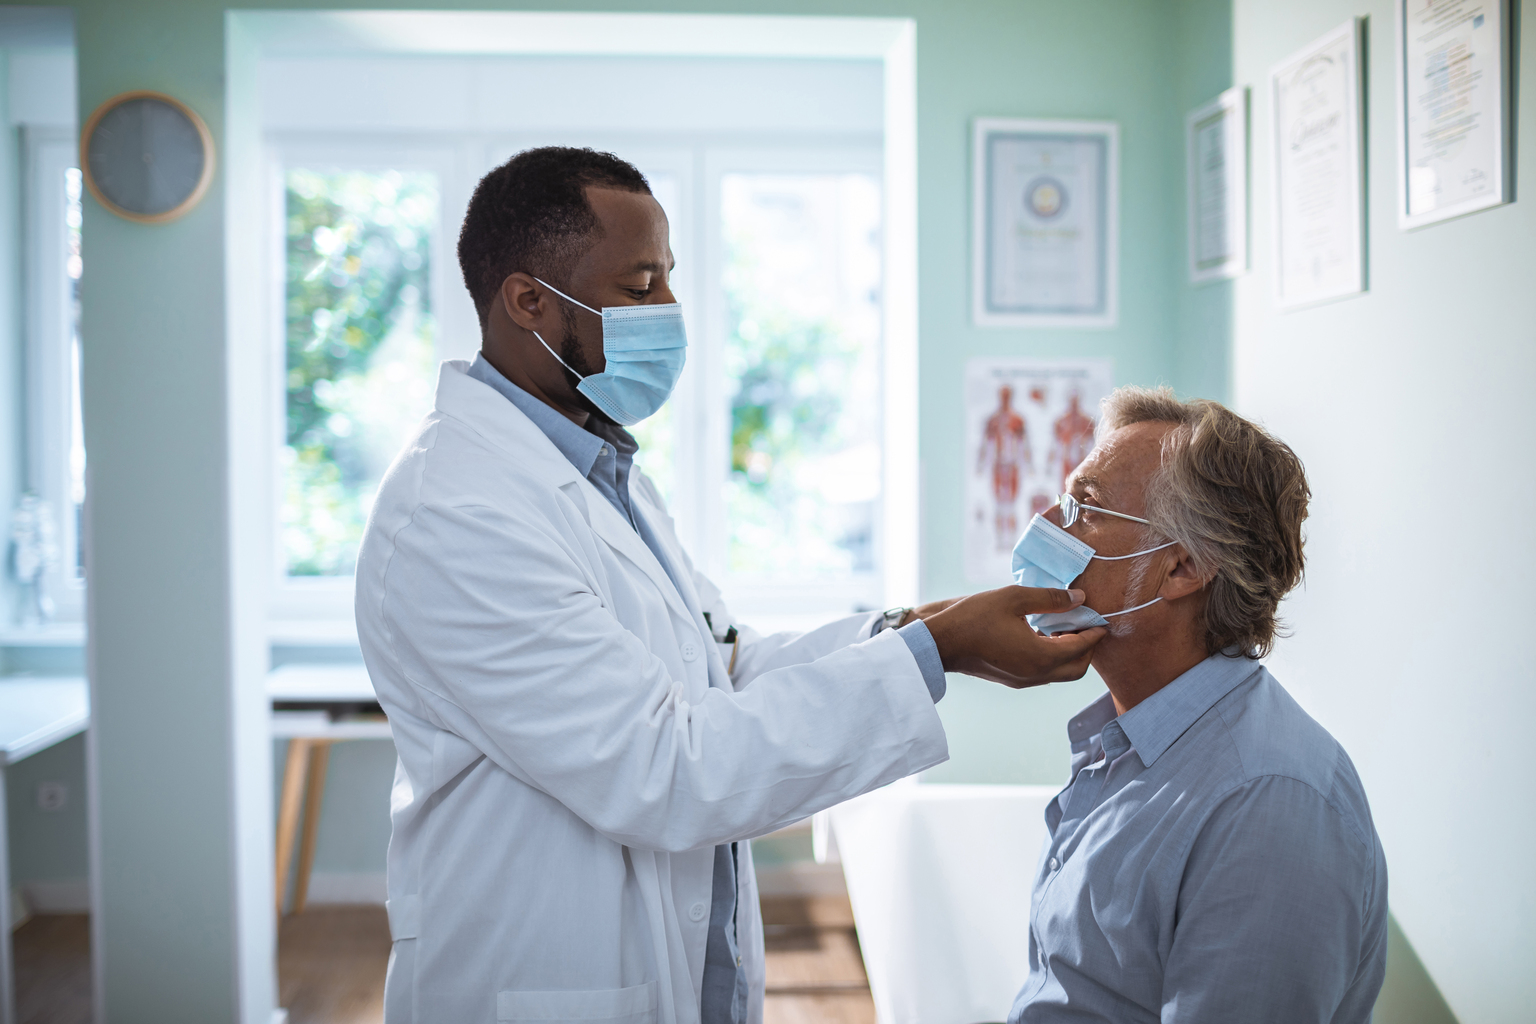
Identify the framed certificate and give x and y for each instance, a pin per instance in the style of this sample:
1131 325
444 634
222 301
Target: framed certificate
1452 108
1319 215
1045 223
1216 167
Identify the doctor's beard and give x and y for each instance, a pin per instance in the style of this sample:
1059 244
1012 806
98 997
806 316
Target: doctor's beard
575 359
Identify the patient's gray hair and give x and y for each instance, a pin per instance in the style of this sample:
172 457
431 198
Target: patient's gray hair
1234 496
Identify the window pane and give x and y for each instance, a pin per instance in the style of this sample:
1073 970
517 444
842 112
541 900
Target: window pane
360 350
73 266
802 360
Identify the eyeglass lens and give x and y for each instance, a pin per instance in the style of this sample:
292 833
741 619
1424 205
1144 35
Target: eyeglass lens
1069 509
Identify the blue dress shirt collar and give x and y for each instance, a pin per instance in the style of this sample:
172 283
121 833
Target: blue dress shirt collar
1153 725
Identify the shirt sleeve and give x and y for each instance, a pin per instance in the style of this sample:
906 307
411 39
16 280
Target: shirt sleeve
1279 917
926 653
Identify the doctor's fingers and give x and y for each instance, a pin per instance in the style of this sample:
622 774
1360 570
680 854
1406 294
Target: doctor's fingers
1036 600
1028 659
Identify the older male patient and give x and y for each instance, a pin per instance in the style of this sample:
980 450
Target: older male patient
1213 856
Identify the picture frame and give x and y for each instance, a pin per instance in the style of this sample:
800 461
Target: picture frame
1216 173
1045 223
1318 193
1453 109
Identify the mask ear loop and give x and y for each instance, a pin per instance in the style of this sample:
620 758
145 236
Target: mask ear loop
536 334
566 297
1133 554
1117 558
1127 611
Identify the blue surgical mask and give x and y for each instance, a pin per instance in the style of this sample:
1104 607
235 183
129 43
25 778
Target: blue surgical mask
644 347
1048 556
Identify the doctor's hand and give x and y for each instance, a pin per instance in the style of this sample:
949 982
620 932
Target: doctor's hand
985 635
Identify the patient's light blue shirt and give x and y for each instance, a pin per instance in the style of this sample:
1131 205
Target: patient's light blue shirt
1212 860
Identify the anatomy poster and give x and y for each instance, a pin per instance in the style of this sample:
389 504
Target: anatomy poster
1028 423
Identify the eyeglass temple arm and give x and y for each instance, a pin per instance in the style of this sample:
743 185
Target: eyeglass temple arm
1121 515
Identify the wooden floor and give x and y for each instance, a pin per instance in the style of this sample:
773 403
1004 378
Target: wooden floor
331 961
53 969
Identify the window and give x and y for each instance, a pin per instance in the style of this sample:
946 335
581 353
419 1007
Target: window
801 285
771 454
55 464
777 486
359 347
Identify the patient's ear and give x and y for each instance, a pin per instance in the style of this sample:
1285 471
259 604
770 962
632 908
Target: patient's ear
1183 578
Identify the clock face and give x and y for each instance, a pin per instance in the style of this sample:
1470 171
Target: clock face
146 156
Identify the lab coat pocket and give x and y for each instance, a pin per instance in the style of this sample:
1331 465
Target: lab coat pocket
633 1005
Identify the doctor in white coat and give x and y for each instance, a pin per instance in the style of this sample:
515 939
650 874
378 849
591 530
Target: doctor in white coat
586 737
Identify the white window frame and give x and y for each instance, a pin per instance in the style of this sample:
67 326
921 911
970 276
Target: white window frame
309 609
49 151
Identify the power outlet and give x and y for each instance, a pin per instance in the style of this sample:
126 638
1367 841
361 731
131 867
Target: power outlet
52 796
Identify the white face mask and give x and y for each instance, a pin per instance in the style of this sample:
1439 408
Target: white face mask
1048 556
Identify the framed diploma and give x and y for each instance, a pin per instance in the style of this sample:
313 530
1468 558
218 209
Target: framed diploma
1319 215
1045 223
1452 108
1216 169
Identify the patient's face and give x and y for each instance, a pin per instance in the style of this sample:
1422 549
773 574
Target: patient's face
1114 476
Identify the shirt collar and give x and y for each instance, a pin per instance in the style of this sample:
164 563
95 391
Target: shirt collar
1153 725
580 447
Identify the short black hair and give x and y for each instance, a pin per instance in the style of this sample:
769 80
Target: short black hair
531 214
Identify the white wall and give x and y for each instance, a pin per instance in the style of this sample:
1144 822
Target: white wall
1411 406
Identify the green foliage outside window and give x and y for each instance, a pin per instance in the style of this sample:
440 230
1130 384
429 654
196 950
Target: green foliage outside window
359 350
790 374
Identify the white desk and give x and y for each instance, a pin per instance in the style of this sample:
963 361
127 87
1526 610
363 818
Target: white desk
311 696
34 715
939 878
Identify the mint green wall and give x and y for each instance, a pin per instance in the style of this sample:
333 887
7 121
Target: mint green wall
1203 317
48 846
1143 65
153 394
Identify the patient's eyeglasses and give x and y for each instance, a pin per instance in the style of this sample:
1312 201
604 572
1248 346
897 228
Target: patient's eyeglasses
1071 508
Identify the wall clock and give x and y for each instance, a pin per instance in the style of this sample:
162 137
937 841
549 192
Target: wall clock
146 156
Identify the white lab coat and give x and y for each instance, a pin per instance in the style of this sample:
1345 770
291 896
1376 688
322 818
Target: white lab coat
565 765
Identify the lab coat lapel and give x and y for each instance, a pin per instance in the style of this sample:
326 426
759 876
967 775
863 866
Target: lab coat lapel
718 676
504 425
626 540
500 422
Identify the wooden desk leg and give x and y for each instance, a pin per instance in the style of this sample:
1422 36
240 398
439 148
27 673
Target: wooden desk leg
319 759
294 771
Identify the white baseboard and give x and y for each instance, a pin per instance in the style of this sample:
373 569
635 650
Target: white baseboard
21 911
801 878
363 887
71 896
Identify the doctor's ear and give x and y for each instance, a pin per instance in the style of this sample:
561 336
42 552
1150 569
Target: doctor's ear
1183 577
525 302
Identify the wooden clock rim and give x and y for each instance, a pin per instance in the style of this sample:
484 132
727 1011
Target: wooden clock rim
202 182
